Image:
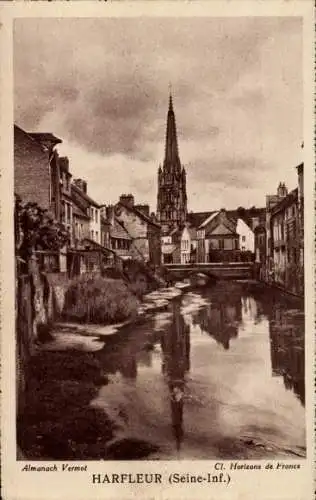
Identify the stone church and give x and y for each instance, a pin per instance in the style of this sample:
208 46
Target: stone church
172 196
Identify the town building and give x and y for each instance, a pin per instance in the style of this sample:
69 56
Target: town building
260 246
172 196
246 236
217 238
89 206
66 200
88 254
300 175
185 246
271 201
115 235
42 177
168 248
285 236
143 229
37 176
286 268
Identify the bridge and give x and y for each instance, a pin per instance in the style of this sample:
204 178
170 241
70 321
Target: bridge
221 270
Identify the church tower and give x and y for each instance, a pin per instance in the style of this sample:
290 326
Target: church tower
172 196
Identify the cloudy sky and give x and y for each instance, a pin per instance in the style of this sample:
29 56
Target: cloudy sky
102 86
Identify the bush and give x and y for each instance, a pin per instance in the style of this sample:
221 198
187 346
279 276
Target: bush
99 300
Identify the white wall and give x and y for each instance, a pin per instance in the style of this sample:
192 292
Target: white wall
95 224
166 240
185 246
246 236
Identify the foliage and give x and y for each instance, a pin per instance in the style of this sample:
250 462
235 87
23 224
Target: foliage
36 229
141 276
94 299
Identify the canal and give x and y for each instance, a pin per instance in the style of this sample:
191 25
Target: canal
219 374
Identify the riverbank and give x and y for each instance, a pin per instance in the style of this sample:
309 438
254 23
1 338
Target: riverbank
91 337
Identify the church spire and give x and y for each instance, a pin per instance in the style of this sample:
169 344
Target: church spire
171 160
172 197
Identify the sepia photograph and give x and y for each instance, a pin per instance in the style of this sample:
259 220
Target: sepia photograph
159 238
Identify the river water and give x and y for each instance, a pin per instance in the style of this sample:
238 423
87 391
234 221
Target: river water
219 374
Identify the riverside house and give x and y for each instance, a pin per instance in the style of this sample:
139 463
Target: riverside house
142 228
42 177
217 238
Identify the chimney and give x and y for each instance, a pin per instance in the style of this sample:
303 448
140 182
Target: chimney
282 190
144 209
127 199
110 214
64 163
81 184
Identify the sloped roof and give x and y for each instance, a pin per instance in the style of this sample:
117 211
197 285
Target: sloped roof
284 202
20 131
45 137
85 196
98 246
140 214
78 211
196 218
209 219
117 230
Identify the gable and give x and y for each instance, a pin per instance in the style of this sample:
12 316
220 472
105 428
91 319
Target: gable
185 234
221 229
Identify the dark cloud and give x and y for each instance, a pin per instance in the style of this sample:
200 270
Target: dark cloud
230 171
108 78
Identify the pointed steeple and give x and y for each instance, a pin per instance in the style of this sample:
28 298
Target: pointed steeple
172 160
172 197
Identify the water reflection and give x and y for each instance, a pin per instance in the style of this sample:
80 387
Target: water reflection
175 345
221 318
287 348
232 385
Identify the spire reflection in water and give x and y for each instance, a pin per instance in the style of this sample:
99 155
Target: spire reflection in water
175 344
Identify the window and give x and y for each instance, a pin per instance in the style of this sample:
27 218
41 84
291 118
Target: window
97 236
221 244
92 234
67 182
96 215
68 215
243 238
63 212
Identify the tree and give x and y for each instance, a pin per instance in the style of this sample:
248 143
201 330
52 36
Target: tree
36 229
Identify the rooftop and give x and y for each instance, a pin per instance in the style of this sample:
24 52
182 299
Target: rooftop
84 195
140 214
45 138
